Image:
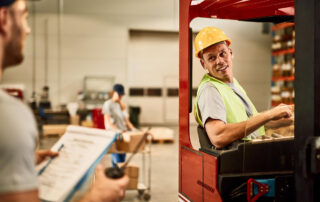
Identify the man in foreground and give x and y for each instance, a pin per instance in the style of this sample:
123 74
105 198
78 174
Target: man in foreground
18 179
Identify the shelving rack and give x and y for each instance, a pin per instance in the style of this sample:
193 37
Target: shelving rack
283 64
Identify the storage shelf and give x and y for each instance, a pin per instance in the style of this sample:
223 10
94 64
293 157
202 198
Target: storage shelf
283 52
284 36
283 78
282 26
274 104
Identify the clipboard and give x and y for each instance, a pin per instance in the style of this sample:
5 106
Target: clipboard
82 150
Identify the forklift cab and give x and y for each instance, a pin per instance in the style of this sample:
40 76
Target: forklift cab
236 173
272 160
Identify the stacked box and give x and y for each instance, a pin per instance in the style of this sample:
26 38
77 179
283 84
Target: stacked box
75 120
128 143
284 131
88 124
132 171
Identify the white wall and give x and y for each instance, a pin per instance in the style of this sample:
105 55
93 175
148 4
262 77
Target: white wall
95 41
153 62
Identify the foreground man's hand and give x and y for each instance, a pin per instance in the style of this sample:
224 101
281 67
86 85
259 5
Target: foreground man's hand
41 155
106 189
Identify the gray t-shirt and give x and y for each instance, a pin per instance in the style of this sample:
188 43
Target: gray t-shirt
17 146
118 116
211 104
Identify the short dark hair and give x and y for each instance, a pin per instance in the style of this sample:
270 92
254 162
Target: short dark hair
6 3
119 89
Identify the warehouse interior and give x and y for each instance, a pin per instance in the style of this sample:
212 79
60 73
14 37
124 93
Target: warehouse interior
78 49
95 40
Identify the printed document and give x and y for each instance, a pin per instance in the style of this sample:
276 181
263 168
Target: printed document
80 148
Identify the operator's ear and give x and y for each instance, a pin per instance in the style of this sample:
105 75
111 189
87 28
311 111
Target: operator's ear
202 63
4 17
230 51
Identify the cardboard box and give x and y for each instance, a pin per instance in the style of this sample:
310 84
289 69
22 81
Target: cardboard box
133 183
128 144
132 171
54 129
75 120
113 149
284 131
88 124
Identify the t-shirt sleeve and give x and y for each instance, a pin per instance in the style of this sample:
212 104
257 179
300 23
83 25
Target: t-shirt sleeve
106 108
125 114
211 104
17 147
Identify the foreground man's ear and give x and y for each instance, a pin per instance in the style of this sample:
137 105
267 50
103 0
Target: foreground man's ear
4 17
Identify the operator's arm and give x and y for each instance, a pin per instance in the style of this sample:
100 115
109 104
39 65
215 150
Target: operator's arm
222 134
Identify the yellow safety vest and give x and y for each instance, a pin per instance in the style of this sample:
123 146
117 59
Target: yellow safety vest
235 110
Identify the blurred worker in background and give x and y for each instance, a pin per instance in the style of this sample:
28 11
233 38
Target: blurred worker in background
222 106
116 117
18 134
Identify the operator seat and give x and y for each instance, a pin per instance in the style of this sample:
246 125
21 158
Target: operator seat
204 140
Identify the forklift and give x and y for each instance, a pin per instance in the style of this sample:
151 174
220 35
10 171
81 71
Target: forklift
290 169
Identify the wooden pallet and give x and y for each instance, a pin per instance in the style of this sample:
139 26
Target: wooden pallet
54 130
163 141
161 134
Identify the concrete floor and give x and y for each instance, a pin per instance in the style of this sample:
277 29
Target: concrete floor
164 172
164 168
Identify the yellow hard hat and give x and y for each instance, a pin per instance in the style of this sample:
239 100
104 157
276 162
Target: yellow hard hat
209 36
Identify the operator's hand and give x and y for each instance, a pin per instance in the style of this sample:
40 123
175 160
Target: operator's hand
281 111
41 155
106 189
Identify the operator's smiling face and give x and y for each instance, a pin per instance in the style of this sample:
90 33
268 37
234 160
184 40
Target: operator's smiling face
217 59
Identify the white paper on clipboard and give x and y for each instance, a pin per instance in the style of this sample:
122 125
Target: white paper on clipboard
82 148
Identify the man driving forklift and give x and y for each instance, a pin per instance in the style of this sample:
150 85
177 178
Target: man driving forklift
222 106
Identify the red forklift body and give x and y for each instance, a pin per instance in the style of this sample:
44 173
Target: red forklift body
198 171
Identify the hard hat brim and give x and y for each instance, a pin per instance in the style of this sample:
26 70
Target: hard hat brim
228 41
